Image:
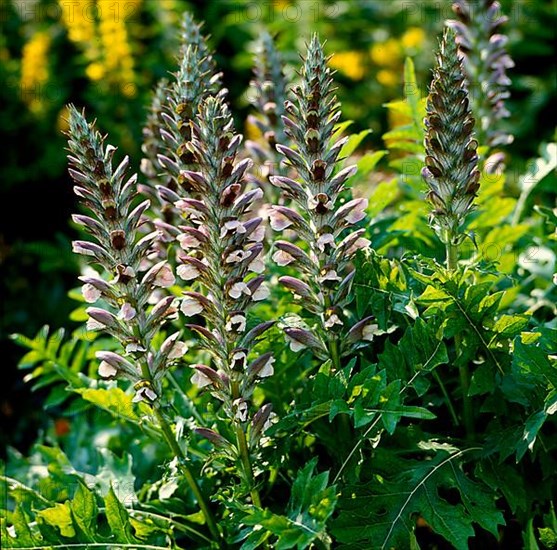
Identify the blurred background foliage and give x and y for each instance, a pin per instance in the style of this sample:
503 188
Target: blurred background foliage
107 55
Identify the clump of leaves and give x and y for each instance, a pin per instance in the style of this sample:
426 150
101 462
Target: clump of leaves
413 400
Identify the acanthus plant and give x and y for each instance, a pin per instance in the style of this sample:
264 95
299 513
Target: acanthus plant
205 339
321 221
482 45
127 315
221 248
174 105
485 63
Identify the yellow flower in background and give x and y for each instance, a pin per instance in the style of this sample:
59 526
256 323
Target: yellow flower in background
251 131
118 60
95 71
386 54
414 37
34 70
79 19
397 119
386 77
98 27
168 12
349 63
281 4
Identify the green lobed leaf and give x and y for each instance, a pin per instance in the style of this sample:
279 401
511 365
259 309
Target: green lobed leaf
84 511
113 400
59 516
382 513
382 196
353 143
311 504
118 519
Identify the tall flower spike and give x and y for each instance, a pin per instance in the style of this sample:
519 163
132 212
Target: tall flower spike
167 132
323 225
451 171
268 94
113 224
221 248
485 64
195 79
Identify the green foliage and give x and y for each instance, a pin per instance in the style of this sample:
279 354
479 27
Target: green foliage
384 511
85 514
312 502
439 422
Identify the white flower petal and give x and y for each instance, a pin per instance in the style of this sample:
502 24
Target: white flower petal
295 345
330 275
236 256
144 394
237 323
369 331
90 293
257 265
127 312
188 241
92 324
164 278
106 370
133 347
332 321
178 350
258 235
187 272
324 240
237 289
262 293
200 379
241 410
278 221
190 306
360 243
268 369
282 258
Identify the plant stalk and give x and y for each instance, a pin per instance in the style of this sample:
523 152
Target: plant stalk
246 463
173 444
244 455
463 371
336 365
335 355
452 255
447 397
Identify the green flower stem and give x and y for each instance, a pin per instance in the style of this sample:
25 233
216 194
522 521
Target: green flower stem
334 353
336 365
463 371
246 463
452 255
467 412
447 397
173 444
244 455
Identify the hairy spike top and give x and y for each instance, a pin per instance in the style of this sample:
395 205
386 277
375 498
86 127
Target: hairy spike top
485 63
168 129
324 226
113 224
451 171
